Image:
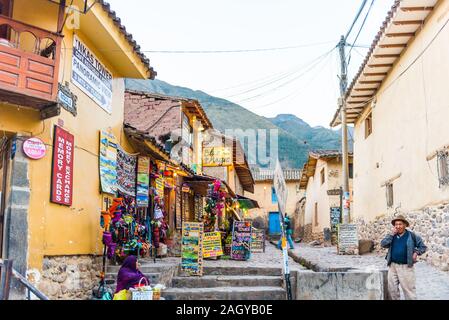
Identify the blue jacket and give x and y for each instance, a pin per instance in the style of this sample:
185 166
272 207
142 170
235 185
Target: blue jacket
414 244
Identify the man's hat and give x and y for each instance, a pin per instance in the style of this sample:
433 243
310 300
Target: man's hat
400 218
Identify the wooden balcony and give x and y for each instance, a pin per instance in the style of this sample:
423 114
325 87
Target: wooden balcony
29 64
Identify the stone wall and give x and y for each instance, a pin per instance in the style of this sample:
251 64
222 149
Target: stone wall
307 233
69 277
431 223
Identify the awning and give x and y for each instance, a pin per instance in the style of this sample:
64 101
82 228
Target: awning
247 203
200 185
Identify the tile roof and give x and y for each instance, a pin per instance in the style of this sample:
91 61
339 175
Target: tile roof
402 23
129 37
267 174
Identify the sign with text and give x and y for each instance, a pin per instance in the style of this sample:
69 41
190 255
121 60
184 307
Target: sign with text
192 248
143 181
217 156
212 244
34 148
91 76
257 241
241 240
62 167
108 162
348 240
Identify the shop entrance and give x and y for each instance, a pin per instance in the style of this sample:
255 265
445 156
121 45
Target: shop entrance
5 156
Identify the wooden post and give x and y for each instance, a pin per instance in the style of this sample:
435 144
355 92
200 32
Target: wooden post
6 279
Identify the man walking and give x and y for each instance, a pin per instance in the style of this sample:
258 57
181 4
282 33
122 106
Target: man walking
404 247
288 233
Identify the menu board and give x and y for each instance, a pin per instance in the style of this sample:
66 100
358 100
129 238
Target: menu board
348 242
198 202
192 248
126 172
212 244
143 181
108 163
257 241
241 240
160 185
178 209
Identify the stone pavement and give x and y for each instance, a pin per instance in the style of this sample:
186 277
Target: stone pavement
431 283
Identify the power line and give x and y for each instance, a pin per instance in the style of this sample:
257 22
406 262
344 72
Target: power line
314 64
286 75
360 30
356 18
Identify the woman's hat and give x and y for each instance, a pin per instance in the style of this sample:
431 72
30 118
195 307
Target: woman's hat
400 218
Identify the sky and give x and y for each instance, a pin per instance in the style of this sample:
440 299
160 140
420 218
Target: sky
302 81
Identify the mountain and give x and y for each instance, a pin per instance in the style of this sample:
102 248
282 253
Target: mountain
296 137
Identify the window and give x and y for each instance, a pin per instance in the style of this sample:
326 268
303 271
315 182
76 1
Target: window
368 125
323 176
389 195
274 199
351 170
316 214
443 167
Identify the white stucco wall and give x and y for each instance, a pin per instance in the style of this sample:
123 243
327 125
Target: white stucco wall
410 121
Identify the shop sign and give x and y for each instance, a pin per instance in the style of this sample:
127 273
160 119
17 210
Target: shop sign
334 192
66 98
91 76
257 241
160 185
192 248
34 148
241 240
108 162
185 189
62 167
212 244
217 156
143 181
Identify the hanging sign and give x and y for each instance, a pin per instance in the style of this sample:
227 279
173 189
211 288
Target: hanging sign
62 167
143 181
160 185
34 148
185 189
217 156
192 248
212 244
241 240
108 163
91 76
126 172
257 241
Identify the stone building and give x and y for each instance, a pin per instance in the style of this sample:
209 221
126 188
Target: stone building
267 216
398 105
322 180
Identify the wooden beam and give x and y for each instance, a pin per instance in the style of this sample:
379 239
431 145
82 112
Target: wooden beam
380 65
392 55
366 89
375 74
370 81
400 34
393 45
357 102
411 9
362 96
408 22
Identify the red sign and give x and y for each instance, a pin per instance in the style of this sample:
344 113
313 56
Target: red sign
62 171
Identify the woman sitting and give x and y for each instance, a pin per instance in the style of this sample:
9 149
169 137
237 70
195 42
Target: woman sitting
129 275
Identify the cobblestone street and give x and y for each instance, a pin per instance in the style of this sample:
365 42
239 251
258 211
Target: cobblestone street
431 283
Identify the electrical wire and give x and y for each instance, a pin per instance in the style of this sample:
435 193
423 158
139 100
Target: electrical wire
360 30
286 75
356 18
314 64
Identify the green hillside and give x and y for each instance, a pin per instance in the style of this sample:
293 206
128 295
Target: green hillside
296 137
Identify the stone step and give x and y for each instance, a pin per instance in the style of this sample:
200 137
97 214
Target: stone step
144 268
225 293
210 281
111 278
242 271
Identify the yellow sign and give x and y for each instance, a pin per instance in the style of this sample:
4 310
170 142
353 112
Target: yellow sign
160 184
217 156
212 244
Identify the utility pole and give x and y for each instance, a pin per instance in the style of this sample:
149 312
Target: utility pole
344 131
